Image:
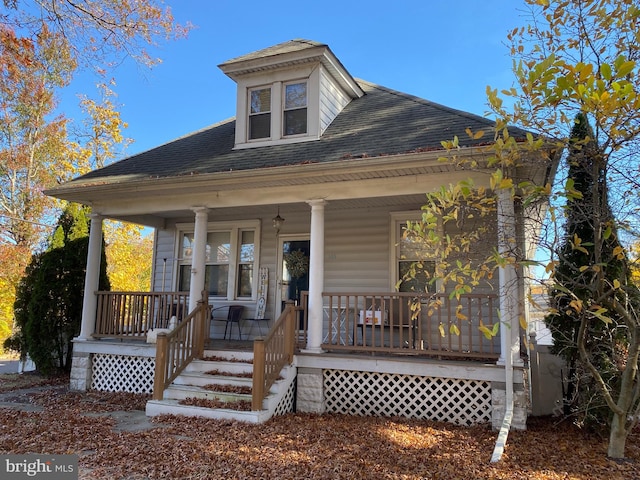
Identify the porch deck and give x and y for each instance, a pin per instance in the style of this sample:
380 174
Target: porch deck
387 323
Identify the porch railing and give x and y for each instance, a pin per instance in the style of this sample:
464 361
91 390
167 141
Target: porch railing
174 350
271 354
406 323
133 314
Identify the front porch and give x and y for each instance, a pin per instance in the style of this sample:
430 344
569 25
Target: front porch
380 356
436 326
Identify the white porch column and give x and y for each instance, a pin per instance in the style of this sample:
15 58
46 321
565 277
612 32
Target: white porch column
509 291
316 277
91 279
198 260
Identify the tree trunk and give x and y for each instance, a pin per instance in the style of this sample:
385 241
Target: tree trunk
617 436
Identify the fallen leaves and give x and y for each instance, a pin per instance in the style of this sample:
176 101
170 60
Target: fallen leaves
15 381
240 405
238 389
298 446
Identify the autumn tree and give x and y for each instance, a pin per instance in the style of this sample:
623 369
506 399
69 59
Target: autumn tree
585 210
48 305
102 137
32 141
574 57
42 45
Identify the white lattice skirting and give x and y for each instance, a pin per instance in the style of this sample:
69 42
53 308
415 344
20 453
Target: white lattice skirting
122 373
463 402
286 405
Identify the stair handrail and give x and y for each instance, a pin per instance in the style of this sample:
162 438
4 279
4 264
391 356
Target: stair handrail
177 348
271 354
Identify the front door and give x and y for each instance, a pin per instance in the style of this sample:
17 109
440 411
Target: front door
293 269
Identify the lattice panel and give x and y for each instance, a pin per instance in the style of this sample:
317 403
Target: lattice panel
287 402
463 402
122 373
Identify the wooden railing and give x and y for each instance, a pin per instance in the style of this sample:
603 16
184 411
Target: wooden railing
133 314
271 354
177 348
406 323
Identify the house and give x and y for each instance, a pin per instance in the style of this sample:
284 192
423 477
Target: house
316 167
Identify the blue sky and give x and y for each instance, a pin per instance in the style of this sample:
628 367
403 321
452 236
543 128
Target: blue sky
443 51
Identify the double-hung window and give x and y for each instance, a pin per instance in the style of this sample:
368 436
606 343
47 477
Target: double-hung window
295 109
259 113
409 249
230 260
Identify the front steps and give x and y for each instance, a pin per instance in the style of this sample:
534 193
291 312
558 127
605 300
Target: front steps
237 367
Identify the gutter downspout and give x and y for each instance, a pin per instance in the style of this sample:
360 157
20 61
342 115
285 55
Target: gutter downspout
508 307
501 441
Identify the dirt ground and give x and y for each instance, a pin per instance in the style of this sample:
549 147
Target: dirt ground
115 440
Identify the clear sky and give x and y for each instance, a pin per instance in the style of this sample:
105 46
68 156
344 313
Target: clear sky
446 51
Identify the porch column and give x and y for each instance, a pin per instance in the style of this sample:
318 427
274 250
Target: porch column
316 277
508 279
198 259
91 279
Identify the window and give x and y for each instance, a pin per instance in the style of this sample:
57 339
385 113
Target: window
408 250
230 260
245 264
260 113
295 109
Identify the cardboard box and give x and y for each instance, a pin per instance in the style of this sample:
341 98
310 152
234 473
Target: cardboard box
370 317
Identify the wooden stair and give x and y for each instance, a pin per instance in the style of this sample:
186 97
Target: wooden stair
235 368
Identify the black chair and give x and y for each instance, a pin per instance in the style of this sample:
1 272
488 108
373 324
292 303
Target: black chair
234 315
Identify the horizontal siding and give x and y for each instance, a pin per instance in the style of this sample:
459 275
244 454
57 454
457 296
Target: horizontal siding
478 250
165 242
357 250
332 101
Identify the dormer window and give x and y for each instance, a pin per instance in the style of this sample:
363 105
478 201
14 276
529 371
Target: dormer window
288 93
295 109
260 113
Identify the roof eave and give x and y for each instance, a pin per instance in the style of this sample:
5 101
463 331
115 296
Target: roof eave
127 184
320 54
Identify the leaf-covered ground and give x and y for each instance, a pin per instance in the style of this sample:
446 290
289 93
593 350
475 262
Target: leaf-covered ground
296 446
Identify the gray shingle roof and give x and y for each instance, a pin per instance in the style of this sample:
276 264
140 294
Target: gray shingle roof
290 46
383 122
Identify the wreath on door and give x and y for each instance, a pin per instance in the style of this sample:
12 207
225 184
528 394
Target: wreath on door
297 263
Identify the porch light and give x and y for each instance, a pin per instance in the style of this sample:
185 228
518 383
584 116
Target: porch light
278 221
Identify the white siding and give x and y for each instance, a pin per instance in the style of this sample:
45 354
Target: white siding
332 101
164 261
357 252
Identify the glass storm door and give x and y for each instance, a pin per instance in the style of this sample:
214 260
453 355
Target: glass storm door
293 269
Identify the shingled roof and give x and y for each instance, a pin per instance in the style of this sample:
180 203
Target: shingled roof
383 122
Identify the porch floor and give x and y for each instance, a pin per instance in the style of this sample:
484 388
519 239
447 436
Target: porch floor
223 344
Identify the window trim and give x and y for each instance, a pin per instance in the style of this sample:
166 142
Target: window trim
250 114
283 105
276 81
395 221
235 229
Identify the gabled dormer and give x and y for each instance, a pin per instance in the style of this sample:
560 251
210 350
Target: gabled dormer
288 93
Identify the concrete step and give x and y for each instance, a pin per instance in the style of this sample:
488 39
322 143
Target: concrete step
202 366
190 383
182 392
202 379
230 354
173 407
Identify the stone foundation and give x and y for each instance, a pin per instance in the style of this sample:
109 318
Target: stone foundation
80 378
310 391
499 405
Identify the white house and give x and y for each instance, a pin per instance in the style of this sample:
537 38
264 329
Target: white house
329 168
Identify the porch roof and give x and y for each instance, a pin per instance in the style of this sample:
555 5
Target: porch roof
382 125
